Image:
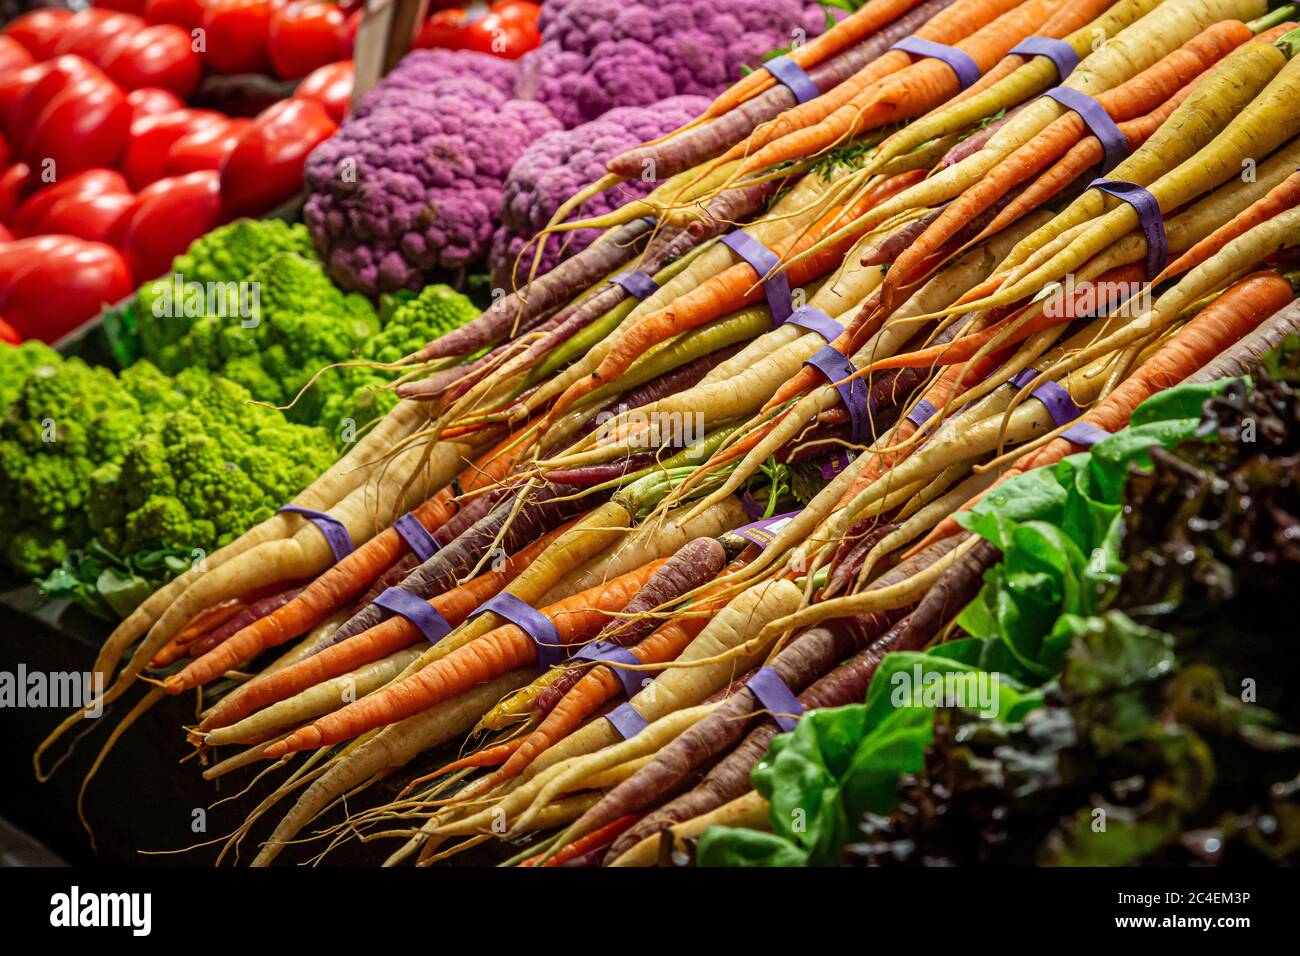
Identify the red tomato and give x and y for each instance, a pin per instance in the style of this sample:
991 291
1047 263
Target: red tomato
304 36
39 31
86 125
265 167
508 29
53 78
152 101
126 6
92 216
5 234
151 137
15 183
235 35
156 56
165 218
183 13
96 34
7 332
4 152
13 55
14 85
92 182
206 147
49 285
331 87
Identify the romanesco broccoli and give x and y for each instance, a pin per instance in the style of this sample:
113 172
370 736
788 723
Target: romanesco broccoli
17 362
225 255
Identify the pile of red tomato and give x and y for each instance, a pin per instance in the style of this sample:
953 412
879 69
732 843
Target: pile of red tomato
106 174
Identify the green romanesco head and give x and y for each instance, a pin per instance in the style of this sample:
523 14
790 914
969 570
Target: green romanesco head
224 255
17 362
211 470
437 310
65 422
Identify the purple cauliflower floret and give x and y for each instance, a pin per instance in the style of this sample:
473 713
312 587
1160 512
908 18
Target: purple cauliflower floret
414 184
599 54
436 71
561 163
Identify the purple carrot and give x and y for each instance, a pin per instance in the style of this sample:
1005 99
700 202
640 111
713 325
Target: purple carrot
504 527
887 248
812 653
254 612
844 685
976 141
542 294
731 207
729 778
1242 357
715 137
473 509
590 475
691 565
847 560
669 245
669 383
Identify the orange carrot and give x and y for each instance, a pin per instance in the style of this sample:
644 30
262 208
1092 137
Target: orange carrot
491 757
576 619
1280 198
965 347
731 289
1081 157
955 23
1225 320
1129 100
594 840
341 583
848 32
592 691
907 93
375 643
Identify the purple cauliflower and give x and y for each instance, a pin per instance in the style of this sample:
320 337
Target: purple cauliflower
432 71
413 183
559 164
599 54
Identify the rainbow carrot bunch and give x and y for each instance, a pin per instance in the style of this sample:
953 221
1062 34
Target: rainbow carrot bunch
701 477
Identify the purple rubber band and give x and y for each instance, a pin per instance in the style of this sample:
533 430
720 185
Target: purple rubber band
815 320
416 536
1057 400
536 625
967 69
1114 143
603 652
1150 217
837 369
1085 434
752 507
923 412
833 465
774 695
792 76
422 614
335 531
762 532
626 721
1058 51
763 260
637 283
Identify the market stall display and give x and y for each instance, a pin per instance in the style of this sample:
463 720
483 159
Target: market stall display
879 455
